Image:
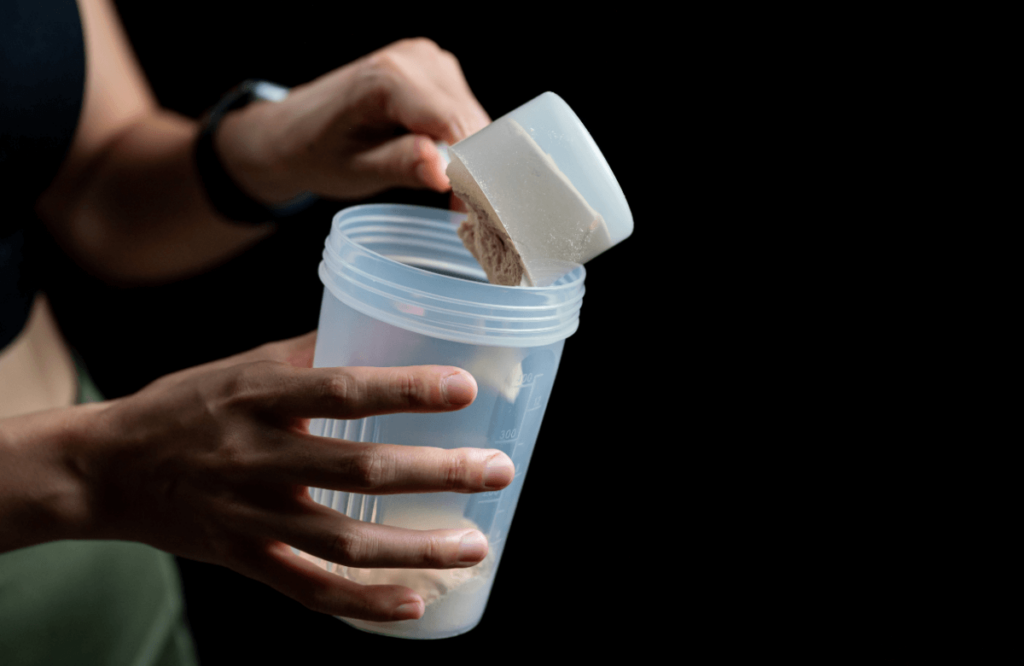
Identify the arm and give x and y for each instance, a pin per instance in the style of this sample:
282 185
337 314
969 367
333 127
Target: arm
213 463
127 203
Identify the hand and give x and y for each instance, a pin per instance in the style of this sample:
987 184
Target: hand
213 463
336 136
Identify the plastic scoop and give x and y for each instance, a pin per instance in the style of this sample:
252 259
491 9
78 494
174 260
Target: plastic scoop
538 171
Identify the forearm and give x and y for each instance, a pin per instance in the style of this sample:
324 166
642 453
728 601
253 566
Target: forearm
42 484
127 203
137 212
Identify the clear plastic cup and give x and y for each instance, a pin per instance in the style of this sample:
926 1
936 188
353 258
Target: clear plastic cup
400 289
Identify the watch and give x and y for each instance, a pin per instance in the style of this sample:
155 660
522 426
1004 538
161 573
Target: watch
222 191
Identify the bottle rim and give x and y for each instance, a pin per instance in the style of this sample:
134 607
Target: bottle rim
405 265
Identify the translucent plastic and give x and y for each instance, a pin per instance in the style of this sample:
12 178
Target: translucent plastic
505 178
400 289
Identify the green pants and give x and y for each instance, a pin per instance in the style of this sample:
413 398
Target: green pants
85 603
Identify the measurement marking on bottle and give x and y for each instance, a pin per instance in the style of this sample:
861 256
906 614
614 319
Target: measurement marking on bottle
528 379
532 404
497 521
518 457
489 501
508 435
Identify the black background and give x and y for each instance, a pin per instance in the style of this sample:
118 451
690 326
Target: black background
577 564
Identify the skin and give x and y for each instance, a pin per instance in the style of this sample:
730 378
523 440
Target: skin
214 462
127 203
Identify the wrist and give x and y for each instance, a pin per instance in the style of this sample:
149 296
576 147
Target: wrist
243 176
245 141
45 490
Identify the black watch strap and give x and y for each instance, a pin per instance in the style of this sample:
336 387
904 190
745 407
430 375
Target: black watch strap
222 191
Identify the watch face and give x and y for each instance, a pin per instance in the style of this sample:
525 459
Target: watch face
268 91
246 92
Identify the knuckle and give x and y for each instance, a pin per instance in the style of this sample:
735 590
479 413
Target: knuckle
371 469
455 471
242 388
423 43
339 386
375 85
225 393
408 388
411 388
434 554
350 548
385 61
376 82
451 58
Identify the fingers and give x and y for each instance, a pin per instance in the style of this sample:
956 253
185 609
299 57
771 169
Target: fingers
335 537
277 566
385 469
408 161
297 352
354 393
438 115
428 92
336 135
431 171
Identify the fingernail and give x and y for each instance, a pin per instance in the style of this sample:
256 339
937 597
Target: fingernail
422 173
472 548
498 473
456 130
484 120
409 611
442 150
459 389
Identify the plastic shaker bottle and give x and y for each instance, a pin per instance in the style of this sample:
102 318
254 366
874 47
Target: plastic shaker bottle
400 289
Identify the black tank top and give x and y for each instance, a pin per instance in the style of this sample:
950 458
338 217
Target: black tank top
42 81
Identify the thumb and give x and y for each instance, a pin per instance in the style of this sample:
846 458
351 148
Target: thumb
411 160
297 352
